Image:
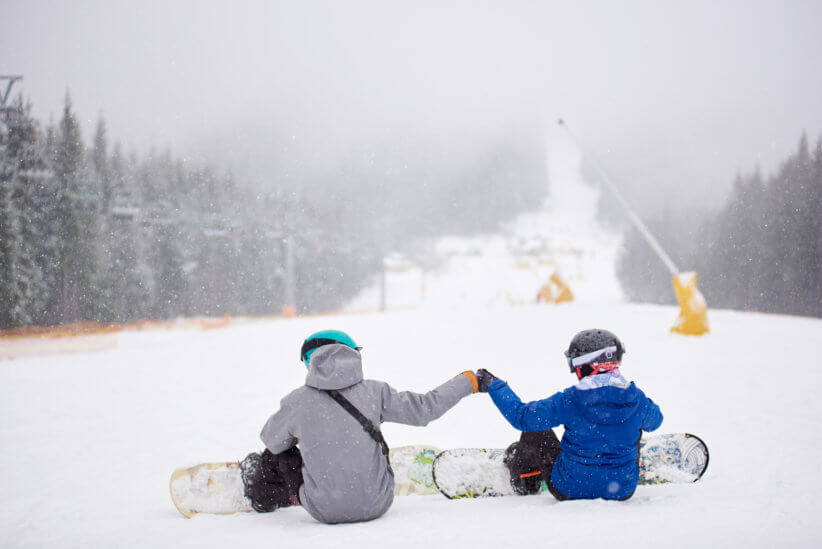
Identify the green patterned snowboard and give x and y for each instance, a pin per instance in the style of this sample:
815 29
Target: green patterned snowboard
480 472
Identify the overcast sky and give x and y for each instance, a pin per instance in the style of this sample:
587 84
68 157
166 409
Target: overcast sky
675 96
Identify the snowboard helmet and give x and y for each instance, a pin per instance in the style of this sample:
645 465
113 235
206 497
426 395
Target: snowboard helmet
325 337
594 351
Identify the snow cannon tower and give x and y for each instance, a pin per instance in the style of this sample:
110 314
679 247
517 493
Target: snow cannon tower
693 309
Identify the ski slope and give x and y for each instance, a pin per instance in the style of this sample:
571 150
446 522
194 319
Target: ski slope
90 439
563 236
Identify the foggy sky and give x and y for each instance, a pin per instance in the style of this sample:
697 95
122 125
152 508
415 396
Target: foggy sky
675 97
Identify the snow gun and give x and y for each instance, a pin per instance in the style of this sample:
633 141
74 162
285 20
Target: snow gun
693 309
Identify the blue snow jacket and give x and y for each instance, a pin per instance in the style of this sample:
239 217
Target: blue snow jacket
600 447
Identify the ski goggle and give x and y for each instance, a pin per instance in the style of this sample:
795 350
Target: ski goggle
312 344
600 356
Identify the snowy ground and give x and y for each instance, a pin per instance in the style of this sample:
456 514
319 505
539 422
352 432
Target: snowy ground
89 440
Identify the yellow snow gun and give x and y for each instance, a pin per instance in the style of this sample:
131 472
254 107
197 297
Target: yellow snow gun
564 292
693 309
555 291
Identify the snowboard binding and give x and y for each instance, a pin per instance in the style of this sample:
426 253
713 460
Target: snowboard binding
530 460
524 480
272 481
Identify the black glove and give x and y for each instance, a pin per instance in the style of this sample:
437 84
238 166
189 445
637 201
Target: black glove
484 379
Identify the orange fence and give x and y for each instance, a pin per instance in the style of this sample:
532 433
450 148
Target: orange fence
88 336
22 347
75 329
90 328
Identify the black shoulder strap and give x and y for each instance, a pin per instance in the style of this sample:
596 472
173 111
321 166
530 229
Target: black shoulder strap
369 427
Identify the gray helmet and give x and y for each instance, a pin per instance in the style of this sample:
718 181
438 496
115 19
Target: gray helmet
591 347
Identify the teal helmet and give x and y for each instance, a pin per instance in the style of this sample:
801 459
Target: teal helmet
325 337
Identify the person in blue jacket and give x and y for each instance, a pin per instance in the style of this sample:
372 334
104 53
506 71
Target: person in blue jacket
604 416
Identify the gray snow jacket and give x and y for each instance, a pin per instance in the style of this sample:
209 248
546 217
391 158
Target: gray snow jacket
346 476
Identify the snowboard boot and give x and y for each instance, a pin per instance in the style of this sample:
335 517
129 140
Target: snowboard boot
530 460
524 479
271 480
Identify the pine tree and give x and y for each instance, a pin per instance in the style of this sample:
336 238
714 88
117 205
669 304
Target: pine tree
764 246
815 203
100 164
752 256
129 273
163 182
104 281
23 179
784 246
77 216
800 257
7 297
731 272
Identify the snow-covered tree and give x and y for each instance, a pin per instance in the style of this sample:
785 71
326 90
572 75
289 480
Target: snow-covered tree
762 251
77 210
24 243
130 274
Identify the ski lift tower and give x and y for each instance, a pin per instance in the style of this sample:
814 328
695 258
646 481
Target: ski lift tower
7 114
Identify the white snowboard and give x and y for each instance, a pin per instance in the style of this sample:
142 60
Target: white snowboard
217 487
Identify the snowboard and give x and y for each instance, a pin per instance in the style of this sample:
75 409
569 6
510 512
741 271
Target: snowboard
217 487
480 472
209 488
413 468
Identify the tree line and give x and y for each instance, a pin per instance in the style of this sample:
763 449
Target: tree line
761 251
90 234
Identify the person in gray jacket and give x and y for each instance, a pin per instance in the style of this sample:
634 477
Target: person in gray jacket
340 472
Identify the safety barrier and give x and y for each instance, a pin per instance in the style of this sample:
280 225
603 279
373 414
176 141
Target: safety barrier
77 337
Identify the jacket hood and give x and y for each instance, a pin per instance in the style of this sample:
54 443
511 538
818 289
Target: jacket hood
607 405
334 367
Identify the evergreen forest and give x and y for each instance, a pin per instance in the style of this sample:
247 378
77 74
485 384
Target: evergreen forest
762 251
89 232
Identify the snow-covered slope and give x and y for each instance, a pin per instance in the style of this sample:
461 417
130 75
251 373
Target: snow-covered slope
89 440
563 236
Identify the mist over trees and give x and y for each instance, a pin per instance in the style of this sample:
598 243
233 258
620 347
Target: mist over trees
89 233
762 251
